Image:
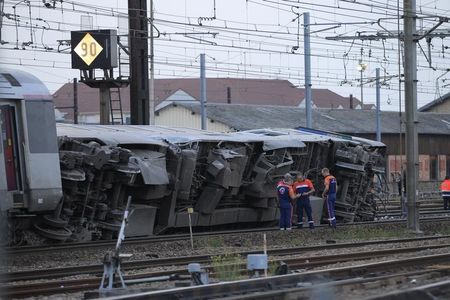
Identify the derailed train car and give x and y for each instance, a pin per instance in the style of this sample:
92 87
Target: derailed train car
226 178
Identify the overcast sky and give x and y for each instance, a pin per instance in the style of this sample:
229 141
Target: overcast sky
247 39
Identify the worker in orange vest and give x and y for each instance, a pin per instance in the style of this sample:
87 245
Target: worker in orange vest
445 189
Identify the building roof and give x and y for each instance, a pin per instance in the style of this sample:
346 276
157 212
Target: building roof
246 117
242 91
435 102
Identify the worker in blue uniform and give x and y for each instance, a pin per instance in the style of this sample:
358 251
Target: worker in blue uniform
303 187
329 195
285 196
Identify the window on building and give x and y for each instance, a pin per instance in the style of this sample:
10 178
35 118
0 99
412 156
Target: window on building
433 168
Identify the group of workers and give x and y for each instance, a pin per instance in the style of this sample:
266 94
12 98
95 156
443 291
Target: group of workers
297 192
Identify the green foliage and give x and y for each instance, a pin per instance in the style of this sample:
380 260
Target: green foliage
214 242
227 267
272 267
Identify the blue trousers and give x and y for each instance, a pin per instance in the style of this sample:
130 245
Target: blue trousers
331 199
286 217
306 206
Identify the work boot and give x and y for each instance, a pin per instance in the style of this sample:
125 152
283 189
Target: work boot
333 224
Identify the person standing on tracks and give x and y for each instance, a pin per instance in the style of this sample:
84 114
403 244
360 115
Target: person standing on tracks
445 189
329 195
286 195
303 187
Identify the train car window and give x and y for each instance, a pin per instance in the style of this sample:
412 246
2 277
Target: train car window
13 81
41 127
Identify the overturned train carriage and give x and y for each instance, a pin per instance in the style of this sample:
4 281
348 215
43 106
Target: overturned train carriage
226 178
71 182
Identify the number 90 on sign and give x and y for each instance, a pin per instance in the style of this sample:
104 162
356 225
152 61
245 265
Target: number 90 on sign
88 49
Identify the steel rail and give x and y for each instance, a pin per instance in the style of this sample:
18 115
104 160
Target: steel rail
295 262
98 268
264 285
304 292
176 237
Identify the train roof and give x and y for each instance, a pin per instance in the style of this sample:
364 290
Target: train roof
17 84
163 136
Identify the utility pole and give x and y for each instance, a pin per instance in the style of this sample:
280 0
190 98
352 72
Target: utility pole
307 46
152 70
2 8
105 107
203 90
75 100
362 93
138 42
412 156
378 87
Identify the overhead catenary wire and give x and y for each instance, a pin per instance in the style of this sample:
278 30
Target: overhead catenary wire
261 39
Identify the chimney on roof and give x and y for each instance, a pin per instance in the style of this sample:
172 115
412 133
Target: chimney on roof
351 101
228 95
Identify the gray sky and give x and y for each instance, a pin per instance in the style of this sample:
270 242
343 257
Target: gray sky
252 39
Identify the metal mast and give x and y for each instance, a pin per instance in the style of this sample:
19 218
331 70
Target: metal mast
307 46
412 156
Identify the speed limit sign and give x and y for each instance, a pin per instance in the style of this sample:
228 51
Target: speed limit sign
94 49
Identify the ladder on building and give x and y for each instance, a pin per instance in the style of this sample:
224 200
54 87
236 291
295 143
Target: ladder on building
115 102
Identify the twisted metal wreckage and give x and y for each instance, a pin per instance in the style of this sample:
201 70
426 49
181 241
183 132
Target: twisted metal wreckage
226 178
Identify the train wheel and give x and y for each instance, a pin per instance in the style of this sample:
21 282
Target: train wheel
59 234
54 222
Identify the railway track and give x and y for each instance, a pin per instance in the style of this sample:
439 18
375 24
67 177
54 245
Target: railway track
263 287
306 282
67 286
175 237
97 268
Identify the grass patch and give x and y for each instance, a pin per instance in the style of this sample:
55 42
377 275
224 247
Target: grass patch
272 267
214 242
227 267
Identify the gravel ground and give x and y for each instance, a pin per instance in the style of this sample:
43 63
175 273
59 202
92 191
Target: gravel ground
231 243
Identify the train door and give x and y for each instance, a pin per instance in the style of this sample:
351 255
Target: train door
10 147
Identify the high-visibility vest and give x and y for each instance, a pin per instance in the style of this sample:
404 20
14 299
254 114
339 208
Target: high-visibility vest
445 187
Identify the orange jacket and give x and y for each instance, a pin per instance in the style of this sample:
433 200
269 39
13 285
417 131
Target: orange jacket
445 187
